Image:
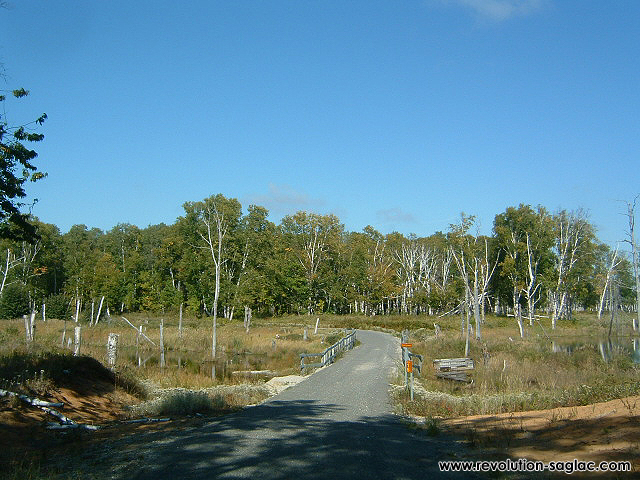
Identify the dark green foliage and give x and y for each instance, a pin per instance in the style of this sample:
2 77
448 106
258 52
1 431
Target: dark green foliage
14 301
16 167
57 306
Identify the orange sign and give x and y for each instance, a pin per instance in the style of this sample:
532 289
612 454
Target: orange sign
407 345
409 366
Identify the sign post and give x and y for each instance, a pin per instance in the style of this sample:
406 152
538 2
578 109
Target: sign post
410 371
405 359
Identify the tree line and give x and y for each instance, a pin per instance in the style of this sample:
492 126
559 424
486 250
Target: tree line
216 259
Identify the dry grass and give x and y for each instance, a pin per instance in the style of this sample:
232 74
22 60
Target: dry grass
522 374
274 345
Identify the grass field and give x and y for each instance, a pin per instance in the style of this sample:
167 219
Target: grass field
272 345
575 364
572 365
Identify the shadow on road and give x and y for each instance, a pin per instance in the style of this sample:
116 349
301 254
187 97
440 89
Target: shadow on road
295 439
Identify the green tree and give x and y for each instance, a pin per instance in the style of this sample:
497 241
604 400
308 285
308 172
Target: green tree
525 238
212 222
16 168
312 237
574 263
14 301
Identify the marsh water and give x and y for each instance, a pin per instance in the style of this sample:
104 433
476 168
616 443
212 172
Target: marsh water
194 362
608 348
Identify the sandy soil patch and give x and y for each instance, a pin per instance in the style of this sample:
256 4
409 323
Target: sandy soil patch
278 384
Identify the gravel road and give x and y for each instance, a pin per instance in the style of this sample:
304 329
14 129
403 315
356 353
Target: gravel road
335 424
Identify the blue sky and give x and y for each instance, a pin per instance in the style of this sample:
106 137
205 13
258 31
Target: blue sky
398 114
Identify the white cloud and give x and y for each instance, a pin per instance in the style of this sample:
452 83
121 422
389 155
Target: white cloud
394 215
284 200
498 10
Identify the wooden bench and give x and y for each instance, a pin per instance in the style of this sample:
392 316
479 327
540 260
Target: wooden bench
453 368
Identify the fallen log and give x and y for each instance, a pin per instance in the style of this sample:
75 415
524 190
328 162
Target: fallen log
36 402
147 420
68 426
65 422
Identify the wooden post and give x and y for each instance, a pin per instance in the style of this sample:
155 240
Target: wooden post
139 332
76 342
180 321
305 334
315 332
32 325
44 312
411 372
247 318
112 350
27 328
162 364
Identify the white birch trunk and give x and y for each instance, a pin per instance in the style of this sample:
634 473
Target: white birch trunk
77 309
99 310
76 341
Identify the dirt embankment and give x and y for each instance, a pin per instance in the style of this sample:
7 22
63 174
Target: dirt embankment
89 396
608 431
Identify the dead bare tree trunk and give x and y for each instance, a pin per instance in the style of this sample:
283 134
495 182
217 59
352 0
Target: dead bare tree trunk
516 310
532 285
467 316
608 280
634 249
476 305
213 218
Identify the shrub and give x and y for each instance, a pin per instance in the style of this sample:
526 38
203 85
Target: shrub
14 301
57 306
181 402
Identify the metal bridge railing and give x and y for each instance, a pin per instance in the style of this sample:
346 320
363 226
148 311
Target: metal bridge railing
329 355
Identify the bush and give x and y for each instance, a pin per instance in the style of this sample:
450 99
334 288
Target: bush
14 301
57 306
181 402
